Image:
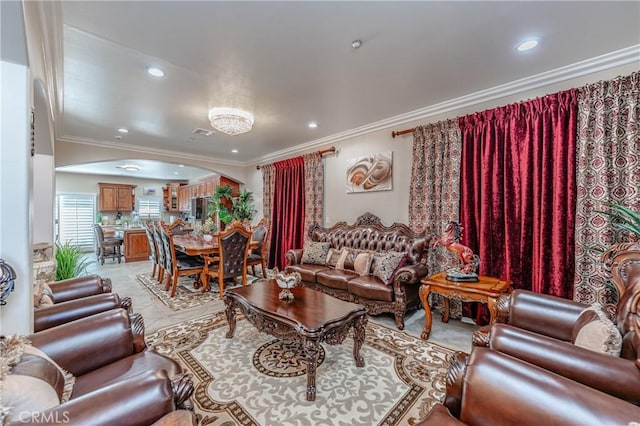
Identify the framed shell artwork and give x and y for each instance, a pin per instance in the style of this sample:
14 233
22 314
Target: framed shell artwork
370 173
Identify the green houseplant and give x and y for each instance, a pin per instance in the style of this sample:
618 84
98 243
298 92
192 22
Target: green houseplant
230 208
623 218
70 262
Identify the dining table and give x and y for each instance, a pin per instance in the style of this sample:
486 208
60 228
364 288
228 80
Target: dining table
196 245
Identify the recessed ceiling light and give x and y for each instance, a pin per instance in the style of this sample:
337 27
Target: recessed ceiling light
123 130
130 167
313 125
156 72
356 44
180 165
235 151
527 45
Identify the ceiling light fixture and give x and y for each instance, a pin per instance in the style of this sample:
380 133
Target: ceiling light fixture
156 72
130 167
356 44
230 120
123 130
527 45
234 151
313 125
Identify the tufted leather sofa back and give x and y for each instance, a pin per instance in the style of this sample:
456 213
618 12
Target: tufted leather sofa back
368 233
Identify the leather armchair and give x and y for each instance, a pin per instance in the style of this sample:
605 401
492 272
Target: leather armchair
102 350
494 389
75 288
64 312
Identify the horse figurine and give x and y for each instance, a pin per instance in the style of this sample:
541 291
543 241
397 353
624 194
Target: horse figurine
450 239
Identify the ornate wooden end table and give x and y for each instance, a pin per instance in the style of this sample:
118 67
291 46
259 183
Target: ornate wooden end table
486 290
312 318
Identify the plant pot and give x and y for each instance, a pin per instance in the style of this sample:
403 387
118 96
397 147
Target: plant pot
207 237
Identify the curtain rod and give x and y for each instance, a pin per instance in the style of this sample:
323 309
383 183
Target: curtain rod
321 152
401 132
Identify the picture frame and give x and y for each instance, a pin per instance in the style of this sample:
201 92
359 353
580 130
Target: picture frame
370 173
149 190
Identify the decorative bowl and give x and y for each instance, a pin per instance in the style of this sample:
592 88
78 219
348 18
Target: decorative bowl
286 282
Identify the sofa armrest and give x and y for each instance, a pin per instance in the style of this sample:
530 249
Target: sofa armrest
139 400
543 314
615 376
89 343
64 312
410 274
501 390
440 415
75 288
293 256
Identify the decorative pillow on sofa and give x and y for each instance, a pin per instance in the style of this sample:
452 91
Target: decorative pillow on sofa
315 252
362 263
332 257
42 295
386 266
347 257
595 331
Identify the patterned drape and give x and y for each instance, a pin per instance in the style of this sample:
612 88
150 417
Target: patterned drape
434 192
268 182
314 190
608 170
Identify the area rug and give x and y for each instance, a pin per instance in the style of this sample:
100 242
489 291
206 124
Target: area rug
254 379
186 295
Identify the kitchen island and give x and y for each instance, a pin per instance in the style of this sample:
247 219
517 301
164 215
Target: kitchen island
136 245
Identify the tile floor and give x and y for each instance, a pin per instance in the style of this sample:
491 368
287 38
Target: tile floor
454 334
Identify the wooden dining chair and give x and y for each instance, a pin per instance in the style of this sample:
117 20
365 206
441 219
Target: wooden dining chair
179 227
149 230
231 262
258 256
160 254
177 266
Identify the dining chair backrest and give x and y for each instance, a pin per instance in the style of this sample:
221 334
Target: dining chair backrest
157 233
260 233
148 229
169 251
178 227
233 244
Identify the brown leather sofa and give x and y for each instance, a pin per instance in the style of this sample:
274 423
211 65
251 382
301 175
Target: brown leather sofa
367 233
118 380
493 389
77 298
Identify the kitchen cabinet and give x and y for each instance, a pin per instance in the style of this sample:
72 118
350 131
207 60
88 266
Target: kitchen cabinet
170 195
116 197
203 189
136 245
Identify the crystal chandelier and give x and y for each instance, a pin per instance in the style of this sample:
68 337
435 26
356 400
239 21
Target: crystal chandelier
230 120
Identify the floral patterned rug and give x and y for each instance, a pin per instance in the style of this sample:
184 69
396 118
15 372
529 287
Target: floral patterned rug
186 295
254 379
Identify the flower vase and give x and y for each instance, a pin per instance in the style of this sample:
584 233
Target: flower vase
207 237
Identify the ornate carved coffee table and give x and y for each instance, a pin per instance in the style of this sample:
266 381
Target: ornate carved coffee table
312 318
486 290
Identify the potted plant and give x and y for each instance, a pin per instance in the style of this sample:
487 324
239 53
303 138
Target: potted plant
70 262
208 228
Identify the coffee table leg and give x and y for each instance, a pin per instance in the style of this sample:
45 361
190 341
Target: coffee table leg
230 312
425 289
358 339
445 314
311 355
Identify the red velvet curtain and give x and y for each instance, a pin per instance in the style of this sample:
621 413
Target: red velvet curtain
518 192
287 217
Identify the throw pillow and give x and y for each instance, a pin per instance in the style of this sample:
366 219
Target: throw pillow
345 262
42 295
315 252
386 267
362 263
595 331
333 256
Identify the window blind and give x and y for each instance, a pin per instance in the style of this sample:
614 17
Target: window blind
149 209
75 216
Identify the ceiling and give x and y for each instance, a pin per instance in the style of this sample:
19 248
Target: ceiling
290 63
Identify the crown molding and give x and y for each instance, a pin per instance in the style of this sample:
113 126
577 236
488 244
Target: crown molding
147 150
589 66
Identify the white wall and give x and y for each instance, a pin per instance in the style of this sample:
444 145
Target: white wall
392 206
15 194
43 198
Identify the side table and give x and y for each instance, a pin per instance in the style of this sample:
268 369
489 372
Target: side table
486 290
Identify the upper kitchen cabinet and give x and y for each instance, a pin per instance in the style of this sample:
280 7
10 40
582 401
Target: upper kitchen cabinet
171 197
116 197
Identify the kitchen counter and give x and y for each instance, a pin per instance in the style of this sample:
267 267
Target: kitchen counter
136 245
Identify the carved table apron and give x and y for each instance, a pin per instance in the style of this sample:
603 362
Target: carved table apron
486 290
312 318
